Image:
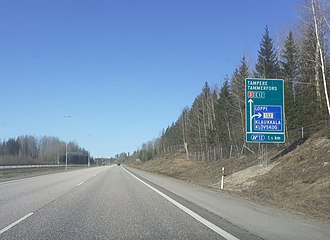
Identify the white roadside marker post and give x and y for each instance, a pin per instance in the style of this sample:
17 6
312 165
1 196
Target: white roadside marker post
222 176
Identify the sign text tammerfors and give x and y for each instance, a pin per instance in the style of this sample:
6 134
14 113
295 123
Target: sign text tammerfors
264 104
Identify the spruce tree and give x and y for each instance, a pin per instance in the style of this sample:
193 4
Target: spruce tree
267 65
237 90
195 130
223 110
238 80
290 73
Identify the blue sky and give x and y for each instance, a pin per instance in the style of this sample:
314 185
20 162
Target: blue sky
122 69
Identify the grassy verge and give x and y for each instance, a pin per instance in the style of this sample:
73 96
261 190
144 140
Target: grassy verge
14 174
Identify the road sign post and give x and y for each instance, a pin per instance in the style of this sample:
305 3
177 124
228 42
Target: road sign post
264 105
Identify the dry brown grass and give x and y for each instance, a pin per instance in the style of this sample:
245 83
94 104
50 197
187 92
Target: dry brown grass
298 181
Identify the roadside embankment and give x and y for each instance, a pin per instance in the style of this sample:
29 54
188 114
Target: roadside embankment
298 181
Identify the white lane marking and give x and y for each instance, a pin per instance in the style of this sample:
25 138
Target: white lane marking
80 183
202 220
15 223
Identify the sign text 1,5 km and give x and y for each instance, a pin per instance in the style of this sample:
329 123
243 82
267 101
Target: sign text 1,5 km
264 104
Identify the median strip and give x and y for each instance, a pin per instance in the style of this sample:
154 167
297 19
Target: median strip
202 220
15 223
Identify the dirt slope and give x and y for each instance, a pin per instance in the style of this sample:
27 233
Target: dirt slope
298 181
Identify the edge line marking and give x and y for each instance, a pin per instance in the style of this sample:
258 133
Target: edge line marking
202 220
15 223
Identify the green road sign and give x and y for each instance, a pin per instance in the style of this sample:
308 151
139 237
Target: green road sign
264 115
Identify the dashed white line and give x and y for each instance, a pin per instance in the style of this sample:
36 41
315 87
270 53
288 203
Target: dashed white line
202 220
80 183
15 223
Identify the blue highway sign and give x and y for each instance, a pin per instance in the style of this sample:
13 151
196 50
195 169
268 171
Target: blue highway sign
264 104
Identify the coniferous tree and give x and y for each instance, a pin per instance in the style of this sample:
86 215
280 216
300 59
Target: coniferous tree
214 120
212 131
237 90
195 125
223 113
238 80
208 102
267 65
290 74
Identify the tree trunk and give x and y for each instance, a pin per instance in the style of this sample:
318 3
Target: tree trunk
317 76
319 47
184 134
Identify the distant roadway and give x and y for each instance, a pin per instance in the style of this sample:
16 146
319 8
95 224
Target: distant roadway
117 202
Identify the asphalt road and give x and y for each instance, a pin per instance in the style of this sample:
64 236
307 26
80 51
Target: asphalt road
111 203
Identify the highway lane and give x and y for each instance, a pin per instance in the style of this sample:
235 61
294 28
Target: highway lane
19 197
111 205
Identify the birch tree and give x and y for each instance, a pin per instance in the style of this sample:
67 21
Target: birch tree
321 28
313 86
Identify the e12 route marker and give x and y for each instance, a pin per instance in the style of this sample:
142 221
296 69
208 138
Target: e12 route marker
264 105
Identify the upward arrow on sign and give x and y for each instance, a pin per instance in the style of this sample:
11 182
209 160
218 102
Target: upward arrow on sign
264 100
252 116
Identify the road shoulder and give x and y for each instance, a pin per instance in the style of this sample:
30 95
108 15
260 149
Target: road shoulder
264 221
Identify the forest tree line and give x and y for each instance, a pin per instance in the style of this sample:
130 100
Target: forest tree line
45 150
217 116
